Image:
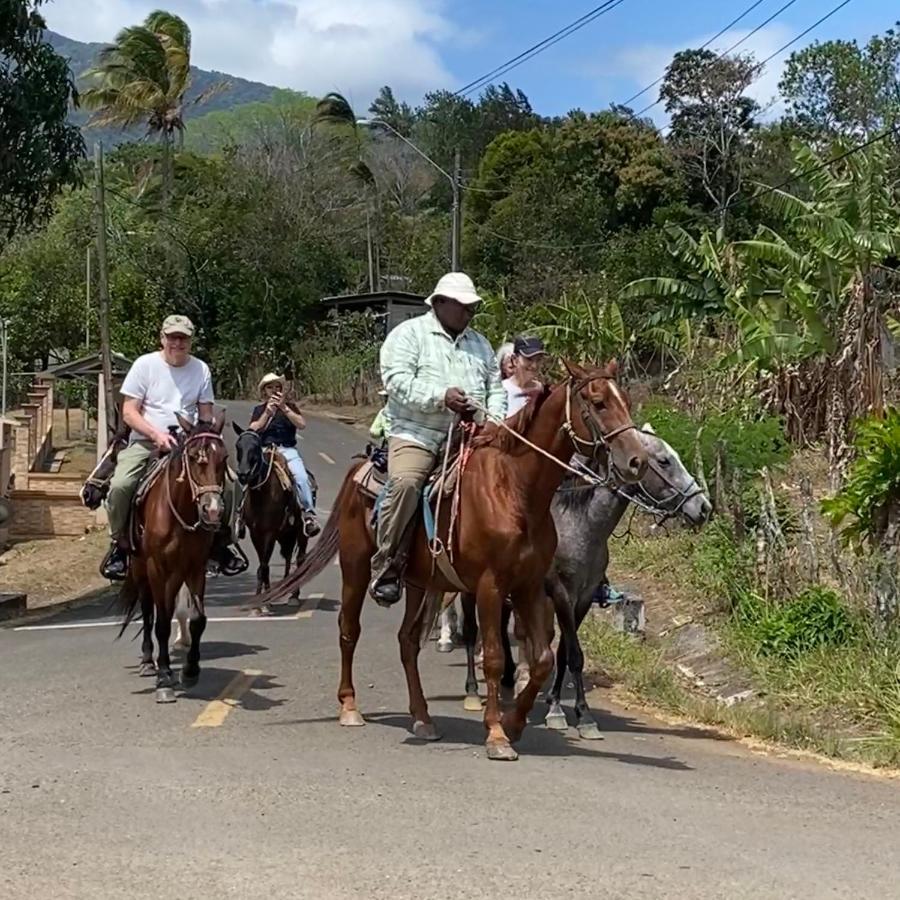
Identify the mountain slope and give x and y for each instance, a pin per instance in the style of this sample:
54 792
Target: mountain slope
81 57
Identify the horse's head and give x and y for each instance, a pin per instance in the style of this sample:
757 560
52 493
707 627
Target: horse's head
249 454
598 419
203 457
667 485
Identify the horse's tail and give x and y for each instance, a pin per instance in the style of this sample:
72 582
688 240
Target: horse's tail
324 551
129 600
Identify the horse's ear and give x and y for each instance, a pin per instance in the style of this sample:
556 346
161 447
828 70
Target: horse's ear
648 428
186 426
218 422
574 370
612 367
237 429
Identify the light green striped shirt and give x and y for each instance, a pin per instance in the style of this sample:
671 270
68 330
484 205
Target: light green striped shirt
420 362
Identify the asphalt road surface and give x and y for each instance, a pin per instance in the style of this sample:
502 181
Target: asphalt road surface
247 787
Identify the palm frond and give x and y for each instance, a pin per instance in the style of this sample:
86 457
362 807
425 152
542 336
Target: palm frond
336 109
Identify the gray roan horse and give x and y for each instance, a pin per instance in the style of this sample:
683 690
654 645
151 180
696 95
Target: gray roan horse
585 517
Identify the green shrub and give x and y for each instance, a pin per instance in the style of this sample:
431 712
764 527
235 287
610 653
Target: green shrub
750 444
873 482
722 568
814 619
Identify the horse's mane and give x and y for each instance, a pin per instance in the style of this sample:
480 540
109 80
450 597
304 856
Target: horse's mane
501 438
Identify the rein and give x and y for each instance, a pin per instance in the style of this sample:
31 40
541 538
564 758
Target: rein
197 490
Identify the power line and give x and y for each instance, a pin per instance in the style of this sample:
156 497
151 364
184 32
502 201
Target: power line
715 37
734 46
538 48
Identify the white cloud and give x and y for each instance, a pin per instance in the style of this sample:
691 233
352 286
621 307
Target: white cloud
647 62
350 46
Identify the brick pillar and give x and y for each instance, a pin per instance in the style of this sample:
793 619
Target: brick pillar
21 457
34 438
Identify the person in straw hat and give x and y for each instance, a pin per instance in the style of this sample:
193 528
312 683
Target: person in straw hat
278 420
434 367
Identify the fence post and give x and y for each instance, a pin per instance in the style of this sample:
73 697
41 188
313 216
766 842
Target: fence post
809 535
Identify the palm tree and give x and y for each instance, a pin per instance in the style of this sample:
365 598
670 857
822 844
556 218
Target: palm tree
143 77
335 109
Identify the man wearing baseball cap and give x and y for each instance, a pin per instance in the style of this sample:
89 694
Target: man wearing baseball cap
434 368
523 383
157 388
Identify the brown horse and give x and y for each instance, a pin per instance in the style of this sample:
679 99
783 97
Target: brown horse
270 511
182 510
503 547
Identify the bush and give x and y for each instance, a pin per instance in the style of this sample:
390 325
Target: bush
750 444
873 483
722 568
814 619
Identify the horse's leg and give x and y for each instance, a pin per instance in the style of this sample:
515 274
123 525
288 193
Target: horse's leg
509 664
182 615
445 641
470 634
195 585
287 545
148 667
529 608
489 600
584 719
355 570
164 588
556 717
408 637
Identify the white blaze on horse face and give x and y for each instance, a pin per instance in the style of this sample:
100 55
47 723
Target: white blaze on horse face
211 508
696 509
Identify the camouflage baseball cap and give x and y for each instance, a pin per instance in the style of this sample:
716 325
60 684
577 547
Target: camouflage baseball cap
178 325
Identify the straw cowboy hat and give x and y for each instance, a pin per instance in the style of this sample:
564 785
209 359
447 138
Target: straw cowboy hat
456 286
270 378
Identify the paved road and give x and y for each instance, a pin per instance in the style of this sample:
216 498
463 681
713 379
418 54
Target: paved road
104 794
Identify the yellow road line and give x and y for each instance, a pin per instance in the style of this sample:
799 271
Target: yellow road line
304 614
326 457
216 711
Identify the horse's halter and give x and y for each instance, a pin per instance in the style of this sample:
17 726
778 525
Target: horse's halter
197 490
642 498
259 484
600 440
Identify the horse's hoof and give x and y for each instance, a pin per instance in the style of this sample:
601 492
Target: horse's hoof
147 669
165 695
189 681
556 721
445 647
425 731
588 731
501 750
351 718
472 703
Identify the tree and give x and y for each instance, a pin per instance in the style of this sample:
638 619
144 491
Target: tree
39 151
712 120
143 77
399 116
838 88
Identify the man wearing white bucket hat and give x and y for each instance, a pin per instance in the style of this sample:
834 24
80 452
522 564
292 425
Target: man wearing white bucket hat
434 367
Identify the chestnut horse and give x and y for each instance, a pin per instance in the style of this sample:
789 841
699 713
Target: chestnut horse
182 510
503 547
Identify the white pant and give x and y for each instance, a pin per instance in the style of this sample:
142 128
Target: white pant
301 479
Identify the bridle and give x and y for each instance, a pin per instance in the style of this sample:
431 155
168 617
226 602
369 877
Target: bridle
600 440
663 508
197 489
271 464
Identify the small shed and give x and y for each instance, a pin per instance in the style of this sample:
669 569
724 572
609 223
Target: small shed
394 306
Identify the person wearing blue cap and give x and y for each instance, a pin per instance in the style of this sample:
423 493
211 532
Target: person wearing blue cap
528 354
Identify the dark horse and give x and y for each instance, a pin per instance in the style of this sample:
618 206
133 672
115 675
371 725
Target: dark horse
183 508
270 510
503 546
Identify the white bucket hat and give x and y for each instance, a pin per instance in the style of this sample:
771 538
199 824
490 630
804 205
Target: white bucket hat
457 286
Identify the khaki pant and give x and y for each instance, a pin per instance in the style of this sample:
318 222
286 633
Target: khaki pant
130 465
409 466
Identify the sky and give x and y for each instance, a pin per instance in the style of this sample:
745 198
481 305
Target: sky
355 46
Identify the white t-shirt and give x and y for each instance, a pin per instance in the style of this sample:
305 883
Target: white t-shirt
165 390
515 398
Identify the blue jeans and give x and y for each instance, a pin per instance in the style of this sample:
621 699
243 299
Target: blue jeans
301 479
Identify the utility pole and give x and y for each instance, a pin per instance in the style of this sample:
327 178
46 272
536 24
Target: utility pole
87 335
108 400
456 224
